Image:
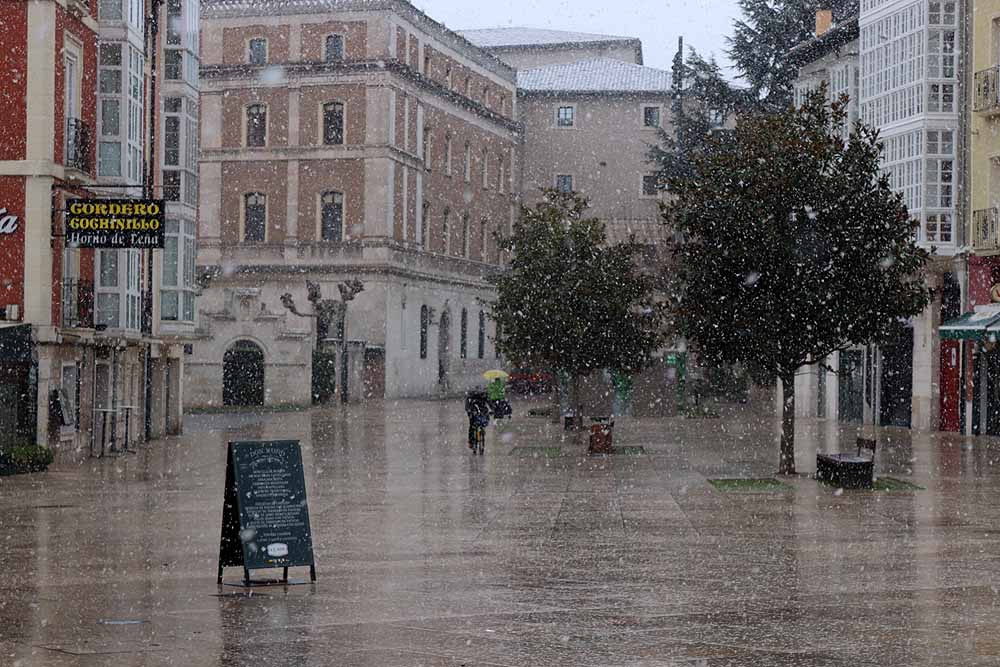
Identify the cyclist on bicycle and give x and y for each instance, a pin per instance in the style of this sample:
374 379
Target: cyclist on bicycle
478 408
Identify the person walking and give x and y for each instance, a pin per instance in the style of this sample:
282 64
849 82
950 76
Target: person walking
496 392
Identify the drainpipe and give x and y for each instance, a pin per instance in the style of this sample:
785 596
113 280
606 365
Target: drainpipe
964 201
152 35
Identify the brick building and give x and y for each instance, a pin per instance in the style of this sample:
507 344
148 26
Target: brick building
77 324
347 140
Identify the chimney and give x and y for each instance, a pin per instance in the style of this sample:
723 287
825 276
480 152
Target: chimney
824 21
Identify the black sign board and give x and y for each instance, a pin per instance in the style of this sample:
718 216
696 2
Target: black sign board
114 223
265 516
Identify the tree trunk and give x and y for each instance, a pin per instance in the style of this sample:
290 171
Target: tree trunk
786 461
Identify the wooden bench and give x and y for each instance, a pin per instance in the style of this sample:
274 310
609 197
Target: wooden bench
848 471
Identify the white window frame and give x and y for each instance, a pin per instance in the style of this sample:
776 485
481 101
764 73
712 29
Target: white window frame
183 233
128 289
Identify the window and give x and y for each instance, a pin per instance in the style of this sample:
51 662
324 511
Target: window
937 228
447 77
334 50
172 141
427 63
486 96
486 169
483 239
255 218
172 185
422 225
446 232
332 216
257 51
173 64
651 116
118 294
333 123
136 119
649 185
447 155
482 334
424 323
256 125
502 168
467 164
178 288
565 116
174 23
466 236
428 162
110 10
463 344
564 183
69 394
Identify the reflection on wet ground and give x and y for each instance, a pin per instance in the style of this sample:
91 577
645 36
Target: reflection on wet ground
429 556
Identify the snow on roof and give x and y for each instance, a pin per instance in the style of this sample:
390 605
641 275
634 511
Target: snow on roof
500 37
594 75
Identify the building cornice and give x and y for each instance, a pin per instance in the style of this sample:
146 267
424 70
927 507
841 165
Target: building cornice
245 74
236 9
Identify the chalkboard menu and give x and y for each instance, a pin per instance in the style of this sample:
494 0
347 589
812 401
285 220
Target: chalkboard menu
265 516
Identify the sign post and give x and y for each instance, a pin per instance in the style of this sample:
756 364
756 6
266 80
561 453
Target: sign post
265 516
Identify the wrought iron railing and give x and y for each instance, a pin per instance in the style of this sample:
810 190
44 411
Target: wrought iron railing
77 303
78 155
987 92
986 229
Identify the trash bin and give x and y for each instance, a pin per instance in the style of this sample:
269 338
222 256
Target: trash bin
601 435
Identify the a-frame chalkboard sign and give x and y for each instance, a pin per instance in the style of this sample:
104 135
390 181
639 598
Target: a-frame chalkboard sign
265 516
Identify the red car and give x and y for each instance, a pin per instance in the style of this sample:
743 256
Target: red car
531 381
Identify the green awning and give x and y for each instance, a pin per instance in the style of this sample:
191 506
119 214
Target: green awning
971 326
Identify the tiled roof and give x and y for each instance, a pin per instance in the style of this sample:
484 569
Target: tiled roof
499 37
594 75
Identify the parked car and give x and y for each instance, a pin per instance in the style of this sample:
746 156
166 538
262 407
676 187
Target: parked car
531 381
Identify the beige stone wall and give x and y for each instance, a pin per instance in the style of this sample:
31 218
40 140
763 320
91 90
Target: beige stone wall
605 152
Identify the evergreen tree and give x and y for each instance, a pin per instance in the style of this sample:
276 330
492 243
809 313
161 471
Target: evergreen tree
792 246
762 39
568 300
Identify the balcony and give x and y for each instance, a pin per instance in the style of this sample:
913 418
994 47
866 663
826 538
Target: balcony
78 146
77 303
986 229
987 92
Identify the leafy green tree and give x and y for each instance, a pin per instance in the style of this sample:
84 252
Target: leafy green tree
570 301
792 246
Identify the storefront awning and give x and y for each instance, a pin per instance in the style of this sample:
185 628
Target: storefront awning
971 326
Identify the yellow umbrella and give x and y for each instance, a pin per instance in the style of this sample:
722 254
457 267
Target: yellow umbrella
496 373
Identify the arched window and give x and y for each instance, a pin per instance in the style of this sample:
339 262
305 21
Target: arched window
463 344
256 125
255 217
331 216
466 235
424 323
333 123
334 51
482 334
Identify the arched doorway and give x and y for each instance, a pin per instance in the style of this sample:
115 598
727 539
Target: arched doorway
243 374
444 349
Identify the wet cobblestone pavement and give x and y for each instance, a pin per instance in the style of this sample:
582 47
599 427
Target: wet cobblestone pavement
528 555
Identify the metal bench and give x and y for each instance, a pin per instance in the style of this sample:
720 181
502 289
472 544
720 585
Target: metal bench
848 471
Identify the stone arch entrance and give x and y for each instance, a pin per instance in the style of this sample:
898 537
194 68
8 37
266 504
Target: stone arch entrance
444 350
243 374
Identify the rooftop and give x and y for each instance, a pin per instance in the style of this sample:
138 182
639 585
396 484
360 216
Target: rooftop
491 38
593 76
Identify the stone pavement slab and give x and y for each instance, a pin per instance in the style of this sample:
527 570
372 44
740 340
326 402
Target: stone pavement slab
427 555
